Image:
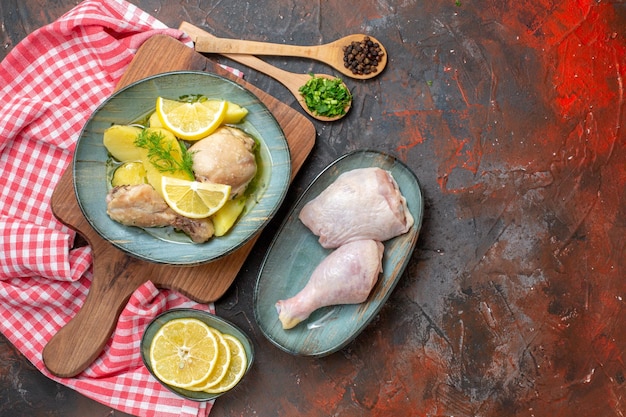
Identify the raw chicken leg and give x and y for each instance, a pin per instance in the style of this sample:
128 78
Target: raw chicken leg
346 276
364 203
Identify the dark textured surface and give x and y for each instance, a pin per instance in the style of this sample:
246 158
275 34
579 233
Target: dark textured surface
511 114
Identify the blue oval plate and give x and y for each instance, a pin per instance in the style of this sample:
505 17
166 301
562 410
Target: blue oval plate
211 320
295 252
163 245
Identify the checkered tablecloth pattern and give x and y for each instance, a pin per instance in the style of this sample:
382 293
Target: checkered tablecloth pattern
51 82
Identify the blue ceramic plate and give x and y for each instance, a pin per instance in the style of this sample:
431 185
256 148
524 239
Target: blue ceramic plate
296 252
163 245
213 321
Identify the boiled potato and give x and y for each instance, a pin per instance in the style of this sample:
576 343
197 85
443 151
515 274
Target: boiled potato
234 112
154 120
226 217
130 173
120 142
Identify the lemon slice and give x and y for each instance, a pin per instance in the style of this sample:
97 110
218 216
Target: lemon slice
183 352
221 367
194 199
236 370
234 112
190 121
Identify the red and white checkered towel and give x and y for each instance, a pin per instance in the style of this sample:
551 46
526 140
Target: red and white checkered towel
50 84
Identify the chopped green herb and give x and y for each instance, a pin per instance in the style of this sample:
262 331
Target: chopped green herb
192 98
429 82
458 2
160 153
326 97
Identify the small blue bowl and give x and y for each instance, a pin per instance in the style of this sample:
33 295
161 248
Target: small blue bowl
211 320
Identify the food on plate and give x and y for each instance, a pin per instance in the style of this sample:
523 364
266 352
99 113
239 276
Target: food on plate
187 353
226 217
225 157
365 203
234 112
193 199
156 148
160 179
120 143
141 206
190 121
130 173
353 215
346 276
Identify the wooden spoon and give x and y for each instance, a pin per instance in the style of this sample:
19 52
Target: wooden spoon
331 53
291 80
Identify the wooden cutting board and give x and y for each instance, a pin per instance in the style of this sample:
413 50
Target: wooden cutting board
116 275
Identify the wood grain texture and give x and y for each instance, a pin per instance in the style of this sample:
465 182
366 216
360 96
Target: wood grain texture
330 54
116 275
293 81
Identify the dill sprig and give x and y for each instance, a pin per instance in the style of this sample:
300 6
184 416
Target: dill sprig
161 151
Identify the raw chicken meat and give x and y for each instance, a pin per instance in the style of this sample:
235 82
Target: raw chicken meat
141 206
364 203
346 276
225 157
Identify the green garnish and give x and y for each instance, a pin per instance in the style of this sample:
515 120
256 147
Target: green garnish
326 97
160 153
192 98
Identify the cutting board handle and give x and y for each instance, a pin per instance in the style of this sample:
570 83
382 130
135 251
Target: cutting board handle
77 344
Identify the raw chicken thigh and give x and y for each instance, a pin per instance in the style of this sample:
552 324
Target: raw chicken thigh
345 276
225 157
141 206
364 203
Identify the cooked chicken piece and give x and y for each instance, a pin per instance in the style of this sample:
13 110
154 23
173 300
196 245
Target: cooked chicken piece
225 157
345 276
364 203
141 206
199 230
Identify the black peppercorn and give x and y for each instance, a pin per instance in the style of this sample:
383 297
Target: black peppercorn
362 57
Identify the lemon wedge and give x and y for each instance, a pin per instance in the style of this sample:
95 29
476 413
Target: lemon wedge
194 199
190 121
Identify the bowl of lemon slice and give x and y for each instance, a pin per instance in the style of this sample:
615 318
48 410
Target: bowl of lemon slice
195 354
181 168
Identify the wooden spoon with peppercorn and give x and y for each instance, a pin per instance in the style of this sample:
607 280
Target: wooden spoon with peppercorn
356 56
308 83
